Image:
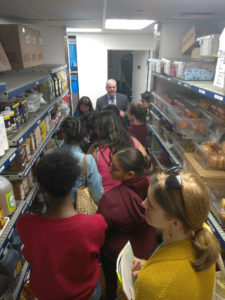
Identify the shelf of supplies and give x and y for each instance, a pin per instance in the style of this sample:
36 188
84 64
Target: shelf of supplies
204 88
19 81
173 159
49 68
34 157
2 87
23 277
34 120
4 239
7 158
33 192
165 118
218 231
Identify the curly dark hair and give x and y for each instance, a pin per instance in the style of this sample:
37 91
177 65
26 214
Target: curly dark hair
138 111
57 172
86 101
74 129
111 132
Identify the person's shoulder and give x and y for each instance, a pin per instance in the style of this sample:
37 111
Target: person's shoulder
102 97
95 220
122 96
26 218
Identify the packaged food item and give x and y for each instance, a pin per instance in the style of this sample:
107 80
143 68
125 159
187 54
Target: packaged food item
23 110
43 129
20 161
31 142
18 189
2 219
34 101
7 199
211 155
217 196
209 45
8 126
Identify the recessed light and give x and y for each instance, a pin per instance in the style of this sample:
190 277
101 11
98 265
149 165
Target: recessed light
127 24
69 29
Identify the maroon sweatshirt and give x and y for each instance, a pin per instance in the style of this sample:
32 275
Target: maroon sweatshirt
122 210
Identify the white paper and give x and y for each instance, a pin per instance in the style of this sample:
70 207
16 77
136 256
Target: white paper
124 270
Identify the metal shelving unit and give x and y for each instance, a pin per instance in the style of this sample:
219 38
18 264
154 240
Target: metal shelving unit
173 159
205 88
4 238
23 277
2 87
19 81
34 120
219 233
7 158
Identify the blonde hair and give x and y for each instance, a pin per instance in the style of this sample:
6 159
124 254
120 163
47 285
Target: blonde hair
190 204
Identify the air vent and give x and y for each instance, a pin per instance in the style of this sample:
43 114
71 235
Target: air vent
196 14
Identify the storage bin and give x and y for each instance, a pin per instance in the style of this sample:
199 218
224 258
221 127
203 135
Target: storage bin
210 155
34 101
182 146
209 45
156 122
195 70
191 121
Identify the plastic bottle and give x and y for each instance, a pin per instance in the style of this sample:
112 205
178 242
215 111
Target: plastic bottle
16 243
7 199
3 134
5 292
2 219
10 265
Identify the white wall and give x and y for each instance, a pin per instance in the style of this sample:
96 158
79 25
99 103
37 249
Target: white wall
92 58
53 44
140 70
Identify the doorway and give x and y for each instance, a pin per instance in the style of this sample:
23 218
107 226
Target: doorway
130 70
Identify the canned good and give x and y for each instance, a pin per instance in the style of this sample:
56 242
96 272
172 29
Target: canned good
13 120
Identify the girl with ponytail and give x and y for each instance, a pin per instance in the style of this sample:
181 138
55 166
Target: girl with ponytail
183 267
122 210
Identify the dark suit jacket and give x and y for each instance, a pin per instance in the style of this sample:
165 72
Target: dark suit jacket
121 101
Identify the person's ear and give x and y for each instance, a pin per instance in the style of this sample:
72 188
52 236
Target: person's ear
130 175
177 224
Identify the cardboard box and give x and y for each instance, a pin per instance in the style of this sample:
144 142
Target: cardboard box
195 53
40 56
189 38
208 176
34 50
21 45
4 62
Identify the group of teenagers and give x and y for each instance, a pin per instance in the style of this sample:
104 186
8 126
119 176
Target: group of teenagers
162 214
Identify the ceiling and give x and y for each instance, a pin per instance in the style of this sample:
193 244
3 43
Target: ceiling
92 13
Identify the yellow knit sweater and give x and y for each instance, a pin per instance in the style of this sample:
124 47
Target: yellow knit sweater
168 275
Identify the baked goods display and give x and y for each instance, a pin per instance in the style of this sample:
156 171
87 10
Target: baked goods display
211 155
217 196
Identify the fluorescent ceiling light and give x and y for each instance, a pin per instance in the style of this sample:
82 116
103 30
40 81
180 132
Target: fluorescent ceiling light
69 29
127 24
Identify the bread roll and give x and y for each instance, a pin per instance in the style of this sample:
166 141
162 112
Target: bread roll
223 146
212 161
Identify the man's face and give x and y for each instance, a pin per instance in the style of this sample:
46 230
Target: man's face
111 88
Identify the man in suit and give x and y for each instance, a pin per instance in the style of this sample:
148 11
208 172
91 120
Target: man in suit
112 97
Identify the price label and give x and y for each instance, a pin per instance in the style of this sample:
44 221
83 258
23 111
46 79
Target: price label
169 79
179 82
12 157
2 168
38 122
186 85
201 91
37 82
20 141
218 97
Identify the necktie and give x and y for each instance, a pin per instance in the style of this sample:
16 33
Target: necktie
112 99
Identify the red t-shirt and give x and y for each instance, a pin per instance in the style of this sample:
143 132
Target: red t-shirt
63 254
